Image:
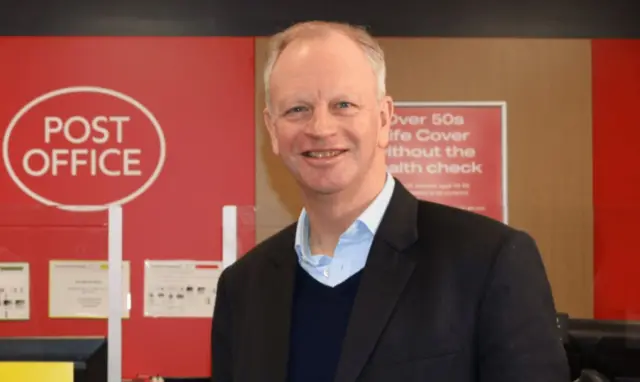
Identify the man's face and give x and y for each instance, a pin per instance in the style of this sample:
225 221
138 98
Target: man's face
326 121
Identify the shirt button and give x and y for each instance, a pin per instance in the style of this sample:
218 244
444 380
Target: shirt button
326 273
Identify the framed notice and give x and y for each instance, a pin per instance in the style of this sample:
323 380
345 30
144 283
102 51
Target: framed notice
180 288
80 289
453 153
14 291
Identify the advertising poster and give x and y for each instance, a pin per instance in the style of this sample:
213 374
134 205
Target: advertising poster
452 153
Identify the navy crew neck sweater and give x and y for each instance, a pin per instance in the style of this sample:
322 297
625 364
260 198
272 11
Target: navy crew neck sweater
320 315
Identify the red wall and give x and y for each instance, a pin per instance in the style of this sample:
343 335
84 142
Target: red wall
616 170
201 91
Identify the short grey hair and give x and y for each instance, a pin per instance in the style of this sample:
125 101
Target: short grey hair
311 29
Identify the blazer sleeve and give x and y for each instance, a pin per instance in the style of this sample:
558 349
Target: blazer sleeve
518 338
221 355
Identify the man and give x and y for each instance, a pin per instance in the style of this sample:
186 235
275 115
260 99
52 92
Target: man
371 284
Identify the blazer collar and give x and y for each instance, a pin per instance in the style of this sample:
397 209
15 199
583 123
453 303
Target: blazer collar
384 278
398 226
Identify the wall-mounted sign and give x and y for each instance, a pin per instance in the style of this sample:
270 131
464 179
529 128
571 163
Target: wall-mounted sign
452 153
84 148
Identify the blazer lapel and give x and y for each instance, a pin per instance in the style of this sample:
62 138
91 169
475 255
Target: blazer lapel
276 295
383 280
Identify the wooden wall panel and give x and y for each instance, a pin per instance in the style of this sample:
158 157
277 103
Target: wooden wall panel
547 87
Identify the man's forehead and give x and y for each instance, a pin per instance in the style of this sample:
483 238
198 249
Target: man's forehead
331 39
326 50
310 62
326 85
310 94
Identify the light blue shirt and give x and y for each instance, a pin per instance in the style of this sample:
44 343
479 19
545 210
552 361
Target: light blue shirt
353 246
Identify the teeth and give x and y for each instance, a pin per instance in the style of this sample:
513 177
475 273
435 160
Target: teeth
323 154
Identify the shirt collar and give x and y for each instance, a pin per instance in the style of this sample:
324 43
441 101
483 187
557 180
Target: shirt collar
370 217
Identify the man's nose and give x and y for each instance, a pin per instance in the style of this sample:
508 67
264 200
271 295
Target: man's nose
322 123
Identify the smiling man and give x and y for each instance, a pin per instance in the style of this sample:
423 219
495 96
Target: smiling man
371 284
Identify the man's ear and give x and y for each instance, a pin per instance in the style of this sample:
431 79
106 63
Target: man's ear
386 113
271 128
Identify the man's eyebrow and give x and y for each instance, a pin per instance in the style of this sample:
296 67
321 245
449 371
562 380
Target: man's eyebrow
288 103
349 97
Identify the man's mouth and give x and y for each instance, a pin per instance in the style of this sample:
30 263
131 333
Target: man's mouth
320 154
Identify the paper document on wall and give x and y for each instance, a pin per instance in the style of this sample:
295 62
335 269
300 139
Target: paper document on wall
14 291
180 288
79 289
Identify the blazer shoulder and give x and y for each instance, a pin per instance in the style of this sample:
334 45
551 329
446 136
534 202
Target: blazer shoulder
279 244
473 245
453 224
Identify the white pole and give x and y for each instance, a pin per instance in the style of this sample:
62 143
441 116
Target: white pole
229 235
114 336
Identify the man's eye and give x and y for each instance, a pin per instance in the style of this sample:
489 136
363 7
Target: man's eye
343 105
296 109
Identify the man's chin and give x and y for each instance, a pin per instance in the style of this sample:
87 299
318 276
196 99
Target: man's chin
323 187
